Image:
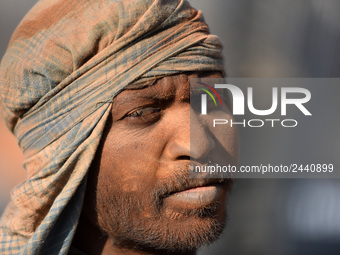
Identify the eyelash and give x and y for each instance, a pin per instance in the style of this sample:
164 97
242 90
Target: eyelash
144 115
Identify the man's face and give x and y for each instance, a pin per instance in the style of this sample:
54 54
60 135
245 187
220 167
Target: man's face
144 197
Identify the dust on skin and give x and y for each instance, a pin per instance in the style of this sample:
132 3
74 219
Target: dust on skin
136 201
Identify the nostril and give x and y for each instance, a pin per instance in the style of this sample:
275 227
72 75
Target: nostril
184 157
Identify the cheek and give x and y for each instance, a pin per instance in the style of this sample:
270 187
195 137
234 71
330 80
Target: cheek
129 160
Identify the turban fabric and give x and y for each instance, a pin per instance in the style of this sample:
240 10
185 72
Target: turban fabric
65 63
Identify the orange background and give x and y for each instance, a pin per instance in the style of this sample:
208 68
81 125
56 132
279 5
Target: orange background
11 158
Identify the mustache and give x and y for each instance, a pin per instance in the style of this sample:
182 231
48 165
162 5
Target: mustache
180 180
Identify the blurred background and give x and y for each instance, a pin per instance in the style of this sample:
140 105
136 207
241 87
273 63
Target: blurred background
262 38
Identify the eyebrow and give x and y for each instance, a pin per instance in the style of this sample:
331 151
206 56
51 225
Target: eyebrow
140 94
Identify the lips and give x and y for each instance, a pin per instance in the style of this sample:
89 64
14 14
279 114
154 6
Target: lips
196 183
180 190
198 197
199 192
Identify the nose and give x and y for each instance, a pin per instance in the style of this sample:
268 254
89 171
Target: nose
191 138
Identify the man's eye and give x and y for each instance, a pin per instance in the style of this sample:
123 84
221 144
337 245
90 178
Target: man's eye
143 112
144 115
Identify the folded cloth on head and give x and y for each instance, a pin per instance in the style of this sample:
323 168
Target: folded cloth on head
65 63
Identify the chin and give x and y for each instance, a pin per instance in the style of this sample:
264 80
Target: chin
174 232
170 225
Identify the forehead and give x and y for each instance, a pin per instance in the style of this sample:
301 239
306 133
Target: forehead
165 88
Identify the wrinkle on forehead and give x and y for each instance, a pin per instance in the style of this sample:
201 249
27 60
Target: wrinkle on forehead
175 86
165 88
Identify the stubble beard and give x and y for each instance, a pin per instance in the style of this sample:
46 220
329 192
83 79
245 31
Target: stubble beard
142 222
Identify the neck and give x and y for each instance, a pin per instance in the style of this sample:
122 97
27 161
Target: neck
112 250
90 240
